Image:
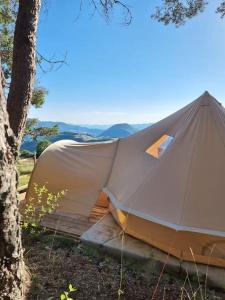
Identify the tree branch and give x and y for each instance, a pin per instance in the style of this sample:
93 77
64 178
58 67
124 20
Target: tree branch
105 7
221 9
53 64
23 66
178 11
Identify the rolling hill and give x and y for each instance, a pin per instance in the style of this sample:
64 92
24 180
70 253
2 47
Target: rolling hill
30 145
118 131
65 127
82 133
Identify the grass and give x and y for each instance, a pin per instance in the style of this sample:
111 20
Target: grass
25 167
24 179
55 261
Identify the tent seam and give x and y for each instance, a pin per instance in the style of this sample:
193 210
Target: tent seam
160 221
113 159
188 172
188 117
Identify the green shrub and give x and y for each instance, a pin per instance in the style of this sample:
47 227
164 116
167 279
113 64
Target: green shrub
38 206
26 154
41 146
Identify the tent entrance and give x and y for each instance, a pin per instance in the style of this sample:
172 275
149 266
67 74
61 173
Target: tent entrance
102 200
100 208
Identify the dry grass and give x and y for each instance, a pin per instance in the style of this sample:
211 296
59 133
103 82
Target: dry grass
55 261
25 167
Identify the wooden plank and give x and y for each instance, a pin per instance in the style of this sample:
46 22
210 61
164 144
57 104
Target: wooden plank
75 224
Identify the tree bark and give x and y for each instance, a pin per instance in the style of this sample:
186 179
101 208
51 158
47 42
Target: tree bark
11 255
23 67
23 71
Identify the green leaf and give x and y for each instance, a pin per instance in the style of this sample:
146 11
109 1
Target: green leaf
72 288
66 294
120 292
62 297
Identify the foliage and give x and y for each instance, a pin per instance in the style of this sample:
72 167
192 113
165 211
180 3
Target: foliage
26 154
38 97
8 11
44 131
34 132
38 206
221 9
66 295
179 11
41 146
30 124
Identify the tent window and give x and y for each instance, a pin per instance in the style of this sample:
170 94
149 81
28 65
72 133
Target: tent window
159 147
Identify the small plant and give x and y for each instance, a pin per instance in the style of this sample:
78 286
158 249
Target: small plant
66 295
38 206
41 146
26 154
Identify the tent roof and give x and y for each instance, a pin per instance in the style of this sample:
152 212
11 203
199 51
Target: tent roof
184 188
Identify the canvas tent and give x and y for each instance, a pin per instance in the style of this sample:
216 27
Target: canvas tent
166 183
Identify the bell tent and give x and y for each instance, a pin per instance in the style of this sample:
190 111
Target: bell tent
165 184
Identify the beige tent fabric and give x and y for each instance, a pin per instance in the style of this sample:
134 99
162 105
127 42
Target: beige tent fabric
175 201
186 246
81 169
184 188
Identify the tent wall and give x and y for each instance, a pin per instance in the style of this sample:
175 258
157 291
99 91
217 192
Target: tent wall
187 246
81 169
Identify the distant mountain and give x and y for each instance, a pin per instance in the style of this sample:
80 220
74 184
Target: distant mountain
31 145
94 130
104 127
96 126
141 126
71 128
118 131
84 134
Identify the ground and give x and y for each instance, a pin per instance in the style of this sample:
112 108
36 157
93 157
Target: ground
25 167
55 261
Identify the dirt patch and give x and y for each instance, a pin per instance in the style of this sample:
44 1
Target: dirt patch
55 261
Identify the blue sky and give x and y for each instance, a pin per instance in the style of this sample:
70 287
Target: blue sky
135 74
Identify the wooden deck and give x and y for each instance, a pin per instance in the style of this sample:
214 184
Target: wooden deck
72 224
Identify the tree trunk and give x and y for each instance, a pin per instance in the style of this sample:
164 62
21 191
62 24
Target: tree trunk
20 93
23 67
11 255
